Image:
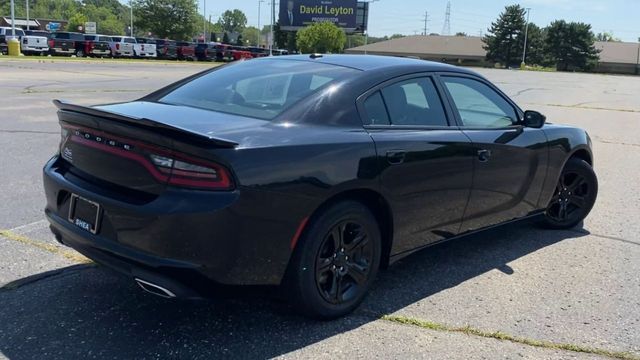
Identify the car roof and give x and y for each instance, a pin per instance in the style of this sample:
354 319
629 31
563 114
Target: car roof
373 62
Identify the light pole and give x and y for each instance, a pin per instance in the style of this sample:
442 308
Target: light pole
273 19
27 7
526 34
131 15
366 35
259 29
13 20
204 21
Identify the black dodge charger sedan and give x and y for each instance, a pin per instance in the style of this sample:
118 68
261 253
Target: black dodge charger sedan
306 172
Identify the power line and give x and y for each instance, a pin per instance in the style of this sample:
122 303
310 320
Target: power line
446 29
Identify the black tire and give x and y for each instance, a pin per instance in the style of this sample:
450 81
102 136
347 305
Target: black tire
574 196
79 53
318 267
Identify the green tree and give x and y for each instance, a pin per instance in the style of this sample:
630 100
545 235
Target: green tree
225 38
233 21
76 21
166 18
104 17
505 39
321 37
461 34
607 36
252 34
536 52
570 46
240 40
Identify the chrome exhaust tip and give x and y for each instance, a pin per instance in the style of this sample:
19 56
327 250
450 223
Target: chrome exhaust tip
155 289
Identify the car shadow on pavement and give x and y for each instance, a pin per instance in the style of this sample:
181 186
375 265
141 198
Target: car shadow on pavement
90 312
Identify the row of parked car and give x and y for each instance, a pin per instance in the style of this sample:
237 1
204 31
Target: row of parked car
64 43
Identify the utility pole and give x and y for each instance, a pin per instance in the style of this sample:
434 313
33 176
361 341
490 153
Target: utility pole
259 29
27 7
526 34
131 14
204 20
426 21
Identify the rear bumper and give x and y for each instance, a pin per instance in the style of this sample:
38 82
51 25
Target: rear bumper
35 49
192 238
100 52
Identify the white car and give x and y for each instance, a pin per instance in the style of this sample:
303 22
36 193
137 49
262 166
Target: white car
122 46
29 44
145 48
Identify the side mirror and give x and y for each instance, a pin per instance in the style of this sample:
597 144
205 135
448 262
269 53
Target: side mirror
534 119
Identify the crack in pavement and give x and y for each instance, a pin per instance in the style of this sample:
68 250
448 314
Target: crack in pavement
29 132
501 336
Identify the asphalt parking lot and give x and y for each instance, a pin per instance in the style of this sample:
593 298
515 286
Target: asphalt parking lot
512 292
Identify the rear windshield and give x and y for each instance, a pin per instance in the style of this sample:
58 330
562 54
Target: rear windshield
104 38
76 36
129 40
261 89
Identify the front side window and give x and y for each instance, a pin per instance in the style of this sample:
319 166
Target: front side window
414 102
262 89
478 104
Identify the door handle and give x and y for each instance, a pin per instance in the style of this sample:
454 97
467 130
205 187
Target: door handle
396 157
484 155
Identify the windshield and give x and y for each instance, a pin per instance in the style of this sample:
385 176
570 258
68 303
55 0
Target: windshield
261 89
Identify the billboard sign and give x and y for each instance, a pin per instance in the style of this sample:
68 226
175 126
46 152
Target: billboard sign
90 27
52 26
296 14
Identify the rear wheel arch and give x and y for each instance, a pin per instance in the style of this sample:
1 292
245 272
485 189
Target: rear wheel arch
378 206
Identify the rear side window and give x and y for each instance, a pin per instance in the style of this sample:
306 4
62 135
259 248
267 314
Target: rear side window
376 111
261 89
414 102
76 37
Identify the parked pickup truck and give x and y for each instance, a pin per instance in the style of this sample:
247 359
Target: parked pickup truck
66 43
166 49
186 50
122 46
29 44
145 47
97 45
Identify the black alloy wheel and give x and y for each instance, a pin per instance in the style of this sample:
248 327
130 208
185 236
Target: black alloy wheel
574 196
344 262
335 261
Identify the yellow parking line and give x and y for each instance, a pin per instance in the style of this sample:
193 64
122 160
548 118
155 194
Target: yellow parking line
68 254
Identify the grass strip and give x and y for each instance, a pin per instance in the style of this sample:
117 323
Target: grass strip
498 335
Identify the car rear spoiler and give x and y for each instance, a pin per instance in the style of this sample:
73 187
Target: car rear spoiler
144 123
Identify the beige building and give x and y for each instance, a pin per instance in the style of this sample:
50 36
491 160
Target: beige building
615 57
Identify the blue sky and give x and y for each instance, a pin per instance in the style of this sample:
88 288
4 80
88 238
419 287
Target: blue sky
471 16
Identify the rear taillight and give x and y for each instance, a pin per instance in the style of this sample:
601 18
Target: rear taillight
51 43
117 46
192 173
166 166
